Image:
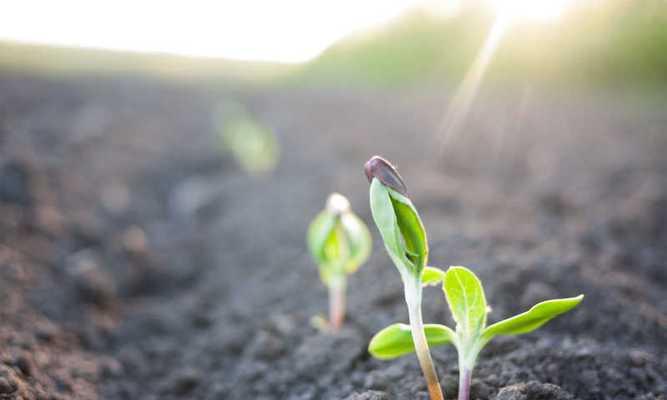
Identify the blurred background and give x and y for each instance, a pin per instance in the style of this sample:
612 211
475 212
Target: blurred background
160 162
595 43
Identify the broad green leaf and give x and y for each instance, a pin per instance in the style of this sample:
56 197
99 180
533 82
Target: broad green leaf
359 240
400 227
432 276
532 319
465 296
396 340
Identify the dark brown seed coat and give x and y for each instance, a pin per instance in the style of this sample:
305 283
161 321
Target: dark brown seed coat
378 167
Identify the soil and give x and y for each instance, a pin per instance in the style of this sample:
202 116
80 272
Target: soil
138 261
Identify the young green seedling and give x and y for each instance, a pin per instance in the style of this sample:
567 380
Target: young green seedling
339 242
254 146
467 303
404 238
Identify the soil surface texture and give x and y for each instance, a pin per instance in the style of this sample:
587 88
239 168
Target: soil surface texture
139 261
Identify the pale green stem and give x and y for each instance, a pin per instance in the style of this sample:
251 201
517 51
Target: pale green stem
467 356
337 303
413 294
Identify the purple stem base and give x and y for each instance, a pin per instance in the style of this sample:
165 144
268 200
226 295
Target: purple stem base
465 376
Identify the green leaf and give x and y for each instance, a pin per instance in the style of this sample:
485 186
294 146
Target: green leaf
400 227
432 276
318 234
532 319
385 220
339 242
253 145
466 300
396 340
411 228
359 241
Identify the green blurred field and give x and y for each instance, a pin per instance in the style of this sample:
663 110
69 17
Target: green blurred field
64 61
616 44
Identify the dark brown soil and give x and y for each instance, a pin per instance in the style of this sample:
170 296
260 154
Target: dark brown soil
138 262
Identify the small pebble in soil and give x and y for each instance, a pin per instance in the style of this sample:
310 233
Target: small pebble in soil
370 395
639 358
533 391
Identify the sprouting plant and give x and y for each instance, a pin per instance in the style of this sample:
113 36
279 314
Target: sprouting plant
467 303
404 238
253 145
339 242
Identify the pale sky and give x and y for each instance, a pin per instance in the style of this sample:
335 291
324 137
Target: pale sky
259 30
265 30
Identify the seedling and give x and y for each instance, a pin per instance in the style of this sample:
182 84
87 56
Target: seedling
253 145
467 303
404 238
339 242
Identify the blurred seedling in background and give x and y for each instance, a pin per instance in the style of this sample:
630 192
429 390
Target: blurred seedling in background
253 145
467 303
339 242
404 238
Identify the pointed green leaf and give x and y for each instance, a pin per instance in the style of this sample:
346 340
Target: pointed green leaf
432 276
532 319
412 230
396 340
384 217
400 227
465 296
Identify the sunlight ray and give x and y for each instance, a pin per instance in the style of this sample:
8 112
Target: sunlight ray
462 99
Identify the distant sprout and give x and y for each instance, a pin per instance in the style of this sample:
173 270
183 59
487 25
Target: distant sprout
404 238
339 242
253 145
467 303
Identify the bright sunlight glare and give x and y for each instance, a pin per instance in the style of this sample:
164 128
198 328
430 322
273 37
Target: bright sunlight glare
535 10
258 30
508 12
465 94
